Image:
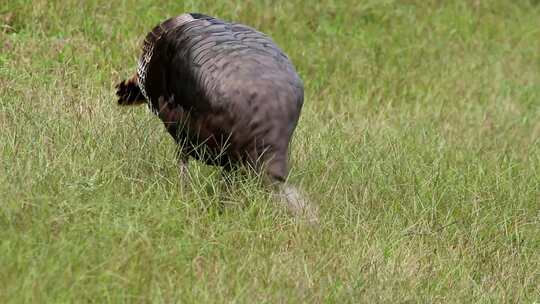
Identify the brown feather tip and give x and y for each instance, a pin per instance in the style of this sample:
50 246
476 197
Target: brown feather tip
128 92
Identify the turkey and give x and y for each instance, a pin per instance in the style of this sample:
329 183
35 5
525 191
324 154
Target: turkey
226 93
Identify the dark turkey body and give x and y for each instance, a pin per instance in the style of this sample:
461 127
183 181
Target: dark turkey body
225 92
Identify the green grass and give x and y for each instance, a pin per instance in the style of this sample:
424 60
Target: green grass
419 140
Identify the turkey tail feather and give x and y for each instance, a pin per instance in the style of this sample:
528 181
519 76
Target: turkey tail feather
129 93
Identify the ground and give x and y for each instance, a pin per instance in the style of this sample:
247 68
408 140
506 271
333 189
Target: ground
419 140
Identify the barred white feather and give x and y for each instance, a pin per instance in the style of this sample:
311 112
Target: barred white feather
142 69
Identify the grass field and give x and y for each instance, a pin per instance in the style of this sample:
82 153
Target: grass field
419 140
